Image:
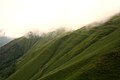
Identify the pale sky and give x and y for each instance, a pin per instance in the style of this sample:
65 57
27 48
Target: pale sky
20 16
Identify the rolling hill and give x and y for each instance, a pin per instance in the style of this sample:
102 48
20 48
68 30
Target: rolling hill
89 53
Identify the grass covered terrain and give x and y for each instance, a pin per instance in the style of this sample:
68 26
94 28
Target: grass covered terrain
85 54
10 52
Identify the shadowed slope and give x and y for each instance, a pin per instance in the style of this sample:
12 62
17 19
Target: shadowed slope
10 52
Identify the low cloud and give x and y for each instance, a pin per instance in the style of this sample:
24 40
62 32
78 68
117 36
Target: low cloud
47 15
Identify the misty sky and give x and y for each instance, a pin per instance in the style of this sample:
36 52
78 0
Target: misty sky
20 16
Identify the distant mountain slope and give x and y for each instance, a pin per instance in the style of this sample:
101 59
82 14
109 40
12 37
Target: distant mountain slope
4 40
85 54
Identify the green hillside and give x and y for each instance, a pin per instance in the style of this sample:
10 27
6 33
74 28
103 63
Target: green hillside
84 54
10 52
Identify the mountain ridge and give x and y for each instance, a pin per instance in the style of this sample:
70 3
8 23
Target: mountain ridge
85 54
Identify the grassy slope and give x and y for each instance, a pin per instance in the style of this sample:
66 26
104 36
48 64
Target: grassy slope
82 55
11 52
81 62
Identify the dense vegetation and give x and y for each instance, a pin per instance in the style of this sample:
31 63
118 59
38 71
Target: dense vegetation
85 54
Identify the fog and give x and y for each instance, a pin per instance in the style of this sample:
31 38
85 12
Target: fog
18 17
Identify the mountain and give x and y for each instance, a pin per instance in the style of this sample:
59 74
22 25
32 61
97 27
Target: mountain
10 52
89 53
4 40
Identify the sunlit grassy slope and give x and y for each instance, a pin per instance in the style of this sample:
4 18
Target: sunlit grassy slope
85 54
